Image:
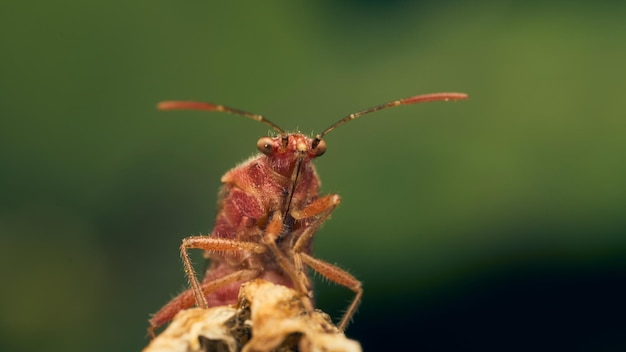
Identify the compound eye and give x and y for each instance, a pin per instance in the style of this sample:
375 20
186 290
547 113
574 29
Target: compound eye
320 148
265 145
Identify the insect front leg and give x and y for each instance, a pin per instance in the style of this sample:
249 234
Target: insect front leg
300 282
322 208
211 244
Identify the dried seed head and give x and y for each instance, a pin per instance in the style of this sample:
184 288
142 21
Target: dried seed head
268 317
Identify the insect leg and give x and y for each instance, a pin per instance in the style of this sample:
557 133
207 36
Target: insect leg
211 244
323 207
341 277
186 299
300 282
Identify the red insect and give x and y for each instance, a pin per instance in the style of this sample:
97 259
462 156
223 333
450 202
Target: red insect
269 210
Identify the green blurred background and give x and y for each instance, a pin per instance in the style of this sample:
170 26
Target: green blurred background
493 223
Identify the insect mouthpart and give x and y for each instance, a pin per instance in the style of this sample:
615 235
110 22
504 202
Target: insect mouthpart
301 147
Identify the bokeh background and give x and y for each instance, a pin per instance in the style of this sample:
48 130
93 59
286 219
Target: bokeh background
494 223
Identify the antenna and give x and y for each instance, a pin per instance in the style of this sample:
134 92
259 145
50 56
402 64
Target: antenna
194 105
412 100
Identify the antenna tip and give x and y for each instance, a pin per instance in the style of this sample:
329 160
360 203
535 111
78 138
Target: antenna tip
186 105
434 97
